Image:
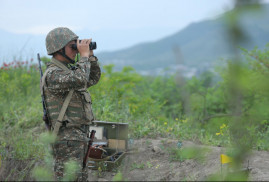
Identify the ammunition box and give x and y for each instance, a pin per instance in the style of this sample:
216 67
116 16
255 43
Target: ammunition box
116 136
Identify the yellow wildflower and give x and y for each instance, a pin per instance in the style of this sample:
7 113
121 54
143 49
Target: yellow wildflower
185 120
222 126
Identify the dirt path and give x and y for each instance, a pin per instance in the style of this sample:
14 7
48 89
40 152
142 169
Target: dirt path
149 160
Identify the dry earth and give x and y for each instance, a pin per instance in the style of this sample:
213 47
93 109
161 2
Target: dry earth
149 160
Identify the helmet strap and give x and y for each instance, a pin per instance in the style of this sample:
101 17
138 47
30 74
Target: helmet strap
62 53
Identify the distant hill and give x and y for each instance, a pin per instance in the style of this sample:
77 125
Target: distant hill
197 47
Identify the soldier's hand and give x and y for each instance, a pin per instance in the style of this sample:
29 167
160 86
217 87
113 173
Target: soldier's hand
83 47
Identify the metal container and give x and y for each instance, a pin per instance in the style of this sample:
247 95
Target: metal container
116 136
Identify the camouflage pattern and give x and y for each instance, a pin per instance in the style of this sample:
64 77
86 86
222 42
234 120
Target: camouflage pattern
65 151
58 38
78 116
60 82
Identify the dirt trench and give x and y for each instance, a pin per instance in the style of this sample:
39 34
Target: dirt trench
150 160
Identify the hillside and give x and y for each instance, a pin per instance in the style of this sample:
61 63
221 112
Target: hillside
199 45
153 160
193 49
157 109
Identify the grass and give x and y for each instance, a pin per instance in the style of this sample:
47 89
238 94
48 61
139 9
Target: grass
153 107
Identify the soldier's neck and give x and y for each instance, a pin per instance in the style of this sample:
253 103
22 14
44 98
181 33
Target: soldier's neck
61 59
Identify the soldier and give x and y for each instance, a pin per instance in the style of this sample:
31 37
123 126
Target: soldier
68 103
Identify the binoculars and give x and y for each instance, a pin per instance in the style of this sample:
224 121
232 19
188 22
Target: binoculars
92 46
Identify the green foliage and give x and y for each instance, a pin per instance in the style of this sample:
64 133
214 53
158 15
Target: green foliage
182 154
200 108
45 172
71 168
121 97
137 166
229 176
20 95
42 174
153 106
149 165
118 177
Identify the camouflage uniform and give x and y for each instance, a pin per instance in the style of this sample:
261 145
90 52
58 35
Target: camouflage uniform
72 136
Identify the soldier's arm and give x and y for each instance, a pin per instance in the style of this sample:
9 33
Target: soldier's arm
60 81
88 62
92 70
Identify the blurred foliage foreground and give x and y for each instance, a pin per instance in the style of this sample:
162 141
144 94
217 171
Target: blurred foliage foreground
200 109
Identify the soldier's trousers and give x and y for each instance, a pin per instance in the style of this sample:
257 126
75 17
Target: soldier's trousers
66 151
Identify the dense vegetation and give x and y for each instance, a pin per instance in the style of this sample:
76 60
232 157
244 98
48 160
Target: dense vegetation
201 109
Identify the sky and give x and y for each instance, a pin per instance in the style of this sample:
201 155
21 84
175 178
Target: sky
113 24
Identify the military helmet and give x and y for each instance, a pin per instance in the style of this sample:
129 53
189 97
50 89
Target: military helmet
59 38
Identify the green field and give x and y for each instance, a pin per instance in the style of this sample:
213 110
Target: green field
221 109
